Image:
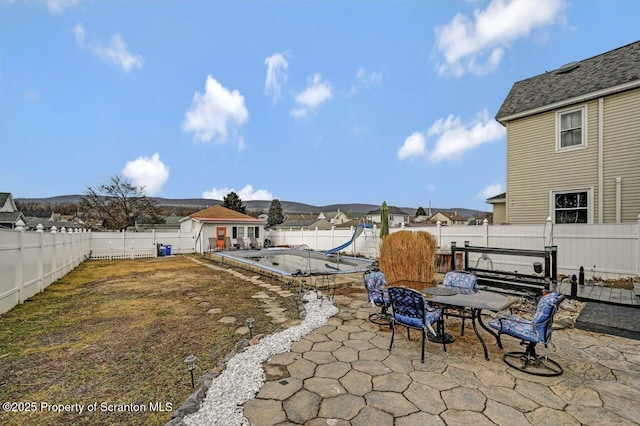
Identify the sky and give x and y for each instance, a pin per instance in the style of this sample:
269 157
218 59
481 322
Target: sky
318 102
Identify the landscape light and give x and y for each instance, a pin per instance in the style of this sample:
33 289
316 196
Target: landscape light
191 365
250 322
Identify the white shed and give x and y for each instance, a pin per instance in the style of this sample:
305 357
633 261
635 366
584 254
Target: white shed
213 225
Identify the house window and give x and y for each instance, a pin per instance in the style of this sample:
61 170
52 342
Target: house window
571 129
253 231
571 206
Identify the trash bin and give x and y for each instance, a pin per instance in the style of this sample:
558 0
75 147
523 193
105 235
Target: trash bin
162 251
167 250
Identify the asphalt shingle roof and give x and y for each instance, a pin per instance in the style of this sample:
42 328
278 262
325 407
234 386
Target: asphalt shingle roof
219 212
607 70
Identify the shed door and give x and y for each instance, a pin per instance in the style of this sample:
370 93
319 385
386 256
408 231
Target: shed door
221 234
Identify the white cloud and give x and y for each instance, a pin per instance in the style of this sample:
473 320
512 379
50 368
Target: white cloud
316 93
299 112
365 80
57 7
148 172
414 146
246 194
212 112
116 52
455 137
490 191
276 74
477 44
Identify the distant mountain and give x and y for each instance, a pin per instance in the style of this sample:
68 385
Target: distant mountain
287 206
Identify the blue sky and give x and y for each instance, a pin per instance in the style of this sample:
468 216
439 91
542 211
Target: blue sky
319 102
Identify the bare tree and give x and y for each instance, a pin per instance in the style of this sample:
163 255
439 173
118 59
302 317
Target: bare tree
118 203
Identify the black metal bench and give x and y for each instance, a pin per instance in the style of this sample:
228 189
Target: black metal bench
545 277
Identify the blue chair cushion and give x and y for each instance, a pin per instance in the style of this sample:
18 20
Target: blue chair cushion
430 317
530 330
460 279
515 326
543 312
373 281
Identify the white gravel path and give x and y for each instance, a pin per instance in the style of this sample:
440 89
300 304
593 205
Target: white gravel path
243 376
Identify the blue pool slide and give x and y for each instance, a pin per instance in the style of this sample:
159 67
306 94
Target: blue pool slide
359 228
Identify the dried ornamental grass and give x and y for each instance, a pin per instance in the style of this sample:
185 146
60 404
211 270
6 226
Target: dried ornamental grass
407 256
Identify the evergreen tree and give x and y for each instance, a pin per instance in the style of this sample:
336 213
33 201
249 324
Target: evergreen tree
232 201
420 212
276 216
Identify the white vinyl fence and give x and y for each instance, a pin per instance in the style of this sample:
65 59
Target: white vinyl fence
137 245
604 250
30 261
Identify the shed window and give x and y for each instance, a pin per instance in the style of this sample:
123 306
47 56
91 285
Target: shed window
237 231
253 231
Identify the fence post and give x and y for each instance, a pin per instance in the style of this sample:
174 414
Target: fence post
155 244
439 233
19 265
485 228
39 230
316 237
333 240
54 260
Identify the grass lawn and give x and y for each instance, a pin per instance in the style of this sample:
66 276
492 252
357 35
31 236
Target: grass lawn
115 334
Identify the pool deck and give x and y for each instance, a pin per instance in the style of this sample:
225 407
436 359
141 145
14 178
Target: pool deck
594 293
344 374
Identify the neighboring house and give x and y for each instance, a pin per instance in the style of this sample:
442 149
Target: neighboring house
49 219
335 218
304 223
479 219
499 203
217 223
421 219
397 217
573 143
9 214
448 218
171 223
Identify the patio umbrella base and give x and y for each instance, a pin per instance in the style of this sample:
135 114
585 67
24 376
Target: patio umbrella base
438 338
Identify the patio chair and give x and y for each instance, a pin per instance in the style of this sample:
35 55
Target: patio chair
212 244
241 244
461 281
531 332
375 283
255 245
228 244
411 310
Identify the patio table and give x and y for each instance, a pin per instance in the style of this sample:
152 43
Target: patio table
472 302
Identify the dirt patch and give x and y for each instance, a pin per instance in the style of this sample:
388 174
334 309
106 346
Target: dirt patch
114 334
623 283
